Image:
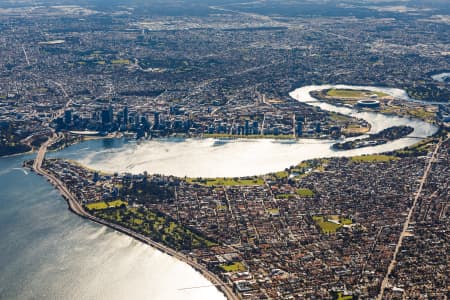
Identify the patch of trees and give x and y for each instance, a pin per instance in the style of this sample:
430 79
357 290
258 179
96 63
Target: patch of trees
10 140
150 191
429 93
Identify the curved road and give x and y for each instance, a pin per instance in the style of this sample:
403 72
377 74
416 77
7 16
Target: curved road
77 208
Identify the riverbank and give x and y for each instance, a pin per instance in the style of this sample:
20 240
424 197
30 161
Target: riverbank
31 151
194 157
441 77
216 281
382 137
382 103
18 149
78 209
307 95
48 252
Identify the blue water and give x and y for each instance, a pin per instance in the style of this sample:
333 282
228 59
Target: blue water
46 252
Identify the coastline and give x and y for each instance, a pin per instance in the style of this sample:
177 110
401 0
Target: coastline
215 281
19 154
75 207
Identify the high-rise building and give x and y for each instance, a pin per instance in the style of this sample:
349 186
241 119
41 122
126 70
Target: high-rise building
187 125
144 123
110 113
255 127
105 117
299 129
318 127
68 117
125 115
156 120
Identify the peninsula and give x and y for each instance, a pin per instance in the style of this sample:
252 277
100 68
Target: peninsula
77 207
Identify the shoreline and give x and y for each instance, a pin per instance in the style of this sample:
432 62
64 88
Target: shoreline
288 138
215 281
75 207
19 154
335 100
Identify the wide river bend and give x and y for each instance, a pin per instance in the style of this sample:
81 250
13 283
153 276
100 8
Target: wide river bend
239 157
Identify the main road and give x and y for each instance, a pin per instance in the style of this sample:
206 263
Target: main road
391 266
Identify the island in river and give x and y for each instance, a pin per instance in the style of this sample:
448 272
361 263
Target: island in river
380 138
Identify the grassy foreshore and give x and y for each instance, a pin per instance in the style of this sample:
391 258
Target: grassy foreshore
226 181
346 93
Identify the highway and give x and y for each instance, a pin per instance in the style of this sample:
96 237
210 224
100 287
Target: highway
78 209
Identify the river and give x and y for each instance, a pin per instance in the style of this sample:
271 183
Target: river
441 77
238 157
50 253
47 252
